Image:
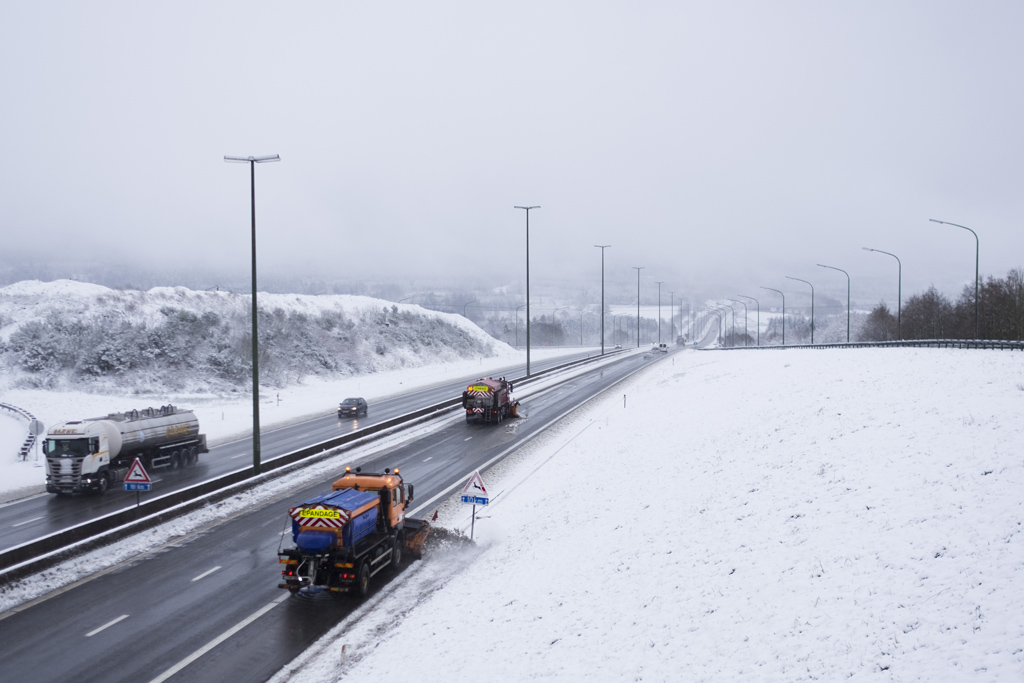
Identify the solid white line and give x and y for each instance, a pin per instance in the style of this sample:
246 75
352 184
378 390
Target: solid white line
107 625
219 639
26 521
206 573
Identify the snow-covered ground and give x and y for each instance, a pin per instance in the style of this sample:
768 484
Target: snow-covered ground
768 516
222 418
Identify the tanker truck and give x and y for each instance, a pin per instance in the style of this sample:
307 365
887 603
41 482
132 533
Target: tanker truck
93 454
346 536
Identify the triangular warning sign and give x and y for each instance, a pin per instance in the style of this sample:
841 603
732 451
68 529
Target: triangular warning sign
475 486
137 474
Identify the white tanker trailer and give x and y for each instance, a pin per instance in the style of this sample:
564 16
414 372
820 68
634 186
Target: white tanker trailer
94 454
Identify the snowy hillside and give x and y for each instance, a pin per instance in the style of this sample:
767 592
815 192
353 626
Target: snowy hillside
746 516
70 335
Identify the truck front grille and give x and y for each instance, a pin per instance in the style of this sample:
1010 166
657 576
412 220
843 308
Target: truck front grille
64 470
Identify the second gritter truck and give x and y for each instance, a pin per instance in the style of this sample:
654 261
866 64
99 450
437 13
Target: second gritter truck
489 400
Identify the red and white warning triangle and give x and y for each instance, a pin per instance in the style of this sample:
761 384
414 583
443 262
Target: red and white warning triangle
475 486
137 474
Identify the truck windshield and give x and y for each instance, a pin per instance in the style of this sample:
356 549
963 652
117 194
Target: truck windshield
70 447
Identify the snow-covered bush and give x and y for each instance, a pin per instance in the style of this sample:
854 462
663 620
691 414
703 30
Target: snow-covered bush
69 334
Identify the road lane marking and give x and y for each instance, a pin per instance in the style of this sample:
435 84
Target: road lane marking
206 573
430 458
467 439
219 639
107 625
239 456
27 521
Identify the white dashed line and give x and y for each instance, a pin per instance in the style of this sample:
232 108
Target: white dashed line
27 521
206 573
107 625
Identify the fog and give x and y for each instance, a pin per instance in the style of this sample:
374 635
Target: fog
722 146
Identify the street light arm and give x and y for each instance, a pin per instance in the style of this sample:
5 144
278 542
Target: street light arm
258 160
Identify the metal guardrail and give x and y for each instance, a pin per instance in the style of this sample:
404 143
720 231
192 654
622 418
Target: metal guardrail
992 344
49 550
26 447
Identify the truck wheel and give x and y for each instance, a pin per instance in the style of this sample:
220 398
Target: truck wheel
175 460
104 484
193 456
363 580
396 553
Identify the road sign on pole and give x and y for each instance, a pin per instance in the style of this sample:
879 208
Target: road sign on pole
475 493
137 480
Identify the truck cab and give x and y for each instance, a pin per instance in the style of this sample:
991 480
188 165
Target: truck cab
394 496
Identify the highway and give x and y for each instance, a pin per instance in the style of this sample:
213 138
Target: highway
208 608
28 519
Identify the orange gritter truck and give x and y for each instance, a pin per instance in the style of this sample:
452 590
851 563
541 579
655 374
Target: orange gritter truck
346 536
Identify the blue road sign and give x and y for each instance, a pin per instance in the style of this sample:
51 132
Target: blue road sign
475 500
130 486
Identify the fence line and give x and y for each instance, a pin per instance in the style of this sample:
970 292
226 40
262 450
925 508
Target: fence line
992 344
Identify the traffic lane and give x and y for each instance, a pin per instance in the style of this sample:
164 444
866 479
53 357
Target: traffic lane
34 518
459 455
169 614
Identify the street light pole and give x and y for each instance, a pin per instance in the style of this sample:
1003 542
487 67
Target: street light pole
517 324
527 209
252 161
746 336
659 311
847 298
899 292
602 247
977 249
672 315
783 312
638 269
467 304
812 302
758 316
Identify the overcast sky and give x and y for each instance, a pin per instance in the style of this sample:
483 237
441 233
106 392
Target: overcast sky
719 144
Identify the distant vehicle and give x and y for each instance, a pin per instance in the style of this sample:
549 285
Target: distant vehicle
662 347
680 340
353 407
618 346
94 454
